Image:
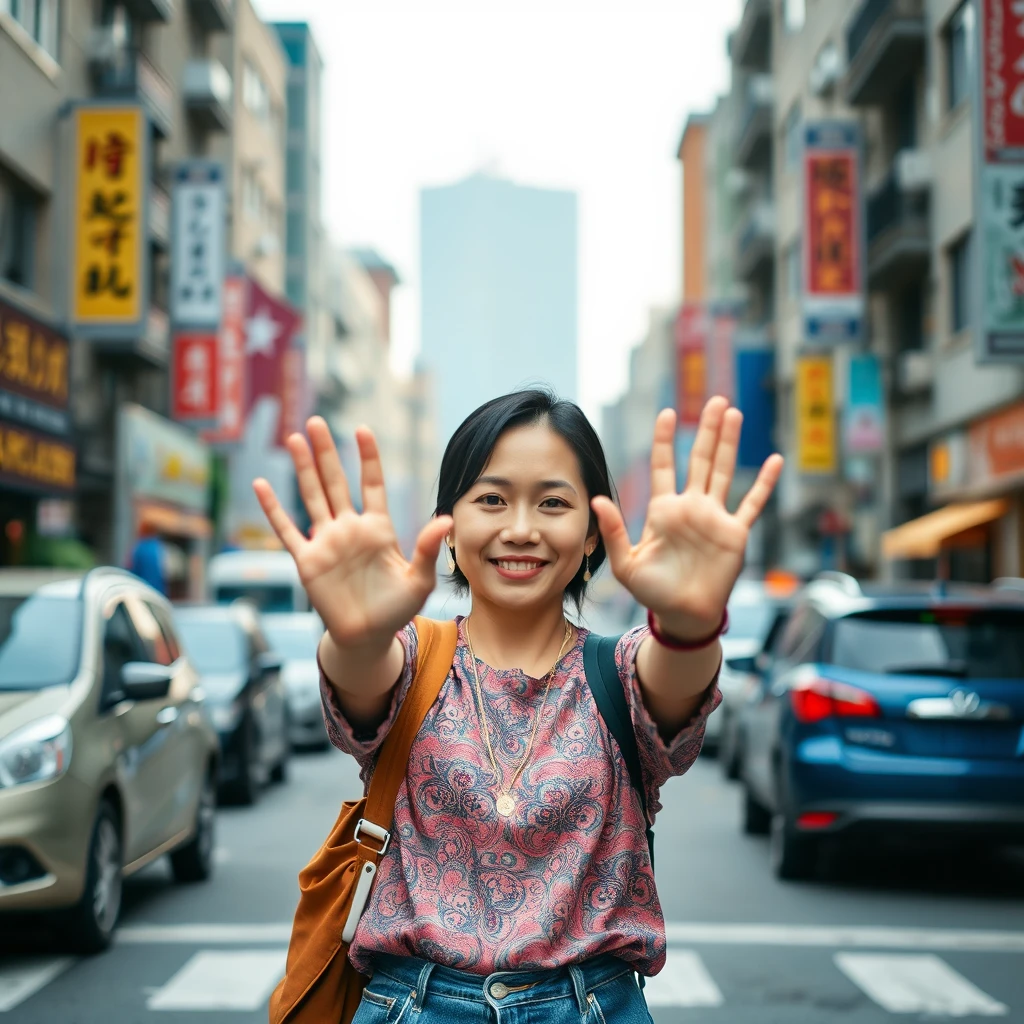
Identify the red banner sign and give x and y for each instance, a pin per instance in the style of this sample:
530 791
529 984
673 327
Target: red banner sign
832 224
1003 75
231 365
194 393
691 363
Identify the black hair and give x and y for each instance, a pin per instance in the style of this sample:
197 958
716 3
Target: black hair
472 444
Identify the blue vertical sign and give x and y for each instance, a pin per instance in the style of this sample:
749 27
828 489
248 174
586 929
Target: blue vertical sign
755 398
864 420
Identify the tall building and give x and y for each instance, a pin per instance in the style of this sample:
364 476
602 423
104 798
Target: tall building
499 292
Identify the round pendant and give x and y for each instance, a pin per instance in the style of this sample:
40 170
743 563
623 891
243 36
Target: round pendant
506 805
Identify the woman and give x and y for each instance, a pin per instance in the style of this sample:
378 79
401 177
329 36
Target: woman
518 878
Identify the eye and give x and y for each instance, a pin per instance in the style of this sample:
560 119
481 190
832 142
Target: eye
554 503
491 500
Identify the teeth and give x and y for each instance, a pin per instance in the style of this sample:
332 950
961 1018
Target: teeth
518 566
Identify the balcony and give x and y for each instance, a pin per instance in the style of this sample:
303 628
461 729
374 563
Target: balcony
207 90
149 347
150 10
884 43
898 227
213 15
130 75
752 40
755 245
915 371
754 138
159 216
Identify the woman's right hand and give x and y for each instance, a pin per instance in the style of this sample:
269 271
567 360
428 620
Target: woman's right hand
354 572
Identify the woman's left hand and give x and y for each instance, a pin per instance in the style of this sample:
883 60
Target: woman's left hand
691 550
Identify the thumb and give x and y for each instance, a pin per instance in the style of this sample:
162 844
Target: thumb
428 543
613 530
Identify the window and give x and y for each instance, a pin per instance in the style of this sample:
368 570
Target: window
120 646
296 106
214 644
255 94
167 628
19 208
40 634
295 170
794 13
154 642
960 54
38 18
792 136
960 283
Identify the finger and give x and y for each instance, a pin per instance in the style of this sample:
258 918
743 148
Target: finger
663 454
724 466
287 532
310 487
613 531
757 497
428 544
703 453
328 465
375 497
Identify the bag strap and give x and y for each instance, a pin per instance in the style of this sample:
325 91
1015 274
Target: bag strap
602 673
435 654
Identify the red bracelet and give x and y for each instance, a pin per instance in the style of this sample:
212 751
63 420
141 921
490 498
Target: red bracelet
686 645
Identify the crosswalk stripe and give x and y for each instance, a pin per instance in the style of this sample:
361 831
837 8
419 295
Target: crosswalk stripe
204 934
219 980
19 980
904 983
685 981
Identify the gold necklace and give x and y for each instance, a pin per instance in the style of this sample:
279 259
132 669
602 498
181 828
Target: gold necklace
506 803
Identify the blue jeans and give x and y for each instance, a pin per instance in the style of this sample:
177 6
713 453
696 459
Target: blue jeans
407 990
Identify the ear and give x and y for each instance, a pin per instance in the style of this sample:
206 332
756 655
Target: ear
592 541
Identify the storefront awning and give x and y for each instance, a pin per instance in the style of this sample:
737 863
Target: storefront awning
927 536
173 522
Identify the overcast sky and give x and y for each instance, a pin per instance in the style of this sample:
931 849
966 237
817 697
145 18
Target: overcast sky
589 95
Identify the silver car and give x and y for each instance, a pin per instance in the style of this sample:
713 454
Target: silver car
294 636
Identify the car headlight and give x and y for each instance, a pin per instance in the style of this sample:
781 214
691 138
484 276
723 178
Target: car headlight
225 716
37 752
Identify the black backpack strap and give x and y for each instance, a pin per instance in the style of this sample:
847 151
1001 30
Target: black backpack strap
603 679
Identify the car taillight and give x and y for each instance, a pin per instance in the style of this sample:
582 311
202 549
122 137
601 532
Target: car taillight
815 699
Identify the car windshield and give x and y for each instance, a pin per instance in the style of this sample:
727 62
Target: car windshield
750 621
214 645
972 643
40 637
294 639
266 596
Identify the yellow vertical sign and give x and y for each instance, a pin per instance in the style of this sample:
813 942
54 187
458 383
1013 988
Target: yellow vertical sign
815 415
110 160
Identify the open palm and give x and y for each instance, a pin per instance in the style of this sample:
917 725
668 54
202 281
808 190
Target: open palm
691 549
351 565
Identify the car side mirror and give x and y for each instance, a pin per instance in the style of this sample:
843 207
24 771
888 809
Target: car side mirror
144 680
747 666
268 662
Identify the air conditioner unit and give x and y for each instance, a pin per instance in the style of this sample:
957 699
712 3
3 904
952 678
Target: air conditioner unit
106 46
915 371
914 170
828 69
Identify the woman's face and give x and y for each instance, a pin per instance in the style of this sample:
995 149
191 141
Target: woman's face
522 530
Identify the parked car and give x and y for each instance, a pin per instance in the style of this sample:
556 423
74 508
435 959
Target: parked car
295 636
107 758
241 676
266 579
888 713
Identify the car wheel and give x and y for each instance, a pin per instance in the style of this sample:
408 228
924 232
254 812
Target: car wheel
757 819
194 861
732 759
246 788
90 924
794 857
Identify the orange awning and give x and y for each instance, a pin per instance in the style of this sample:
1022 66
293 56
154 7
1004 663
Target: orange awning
173 522
927 536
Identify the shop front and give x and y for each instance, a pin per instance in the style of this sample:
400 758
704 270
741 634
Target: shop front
976 478
162 490
37 454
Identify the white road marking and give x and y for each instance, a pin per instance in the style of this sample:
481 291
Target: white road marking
204 934
901 983
882 937
683 982
217 980
21 979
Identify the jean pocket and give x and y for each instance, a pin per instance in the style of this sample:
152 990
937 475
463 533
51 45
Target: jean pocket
618 1002
383 1002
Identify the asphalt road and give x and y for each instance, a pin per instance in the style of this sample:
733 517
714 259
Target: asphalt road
876 939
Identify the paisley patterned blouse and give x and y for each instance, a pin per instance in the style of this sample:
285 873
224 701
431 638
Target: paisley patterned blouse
568 876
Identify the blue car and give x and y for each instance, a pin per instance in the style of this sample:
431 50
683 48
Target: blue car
887 713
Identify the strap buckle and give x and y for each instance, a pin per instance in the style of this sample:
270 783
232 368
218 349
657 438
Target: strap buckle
383 836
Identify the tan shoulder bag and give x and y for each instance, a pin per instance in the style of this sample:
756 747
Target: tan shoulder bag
320 984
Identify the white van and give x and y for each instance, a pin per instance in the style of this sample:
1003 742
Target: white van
267 578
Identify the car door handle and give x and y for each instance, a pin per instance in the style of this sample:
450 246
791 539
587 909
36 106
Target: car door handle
167 715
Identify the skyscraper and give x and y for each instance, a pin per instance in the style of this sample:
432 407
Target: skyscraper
498 265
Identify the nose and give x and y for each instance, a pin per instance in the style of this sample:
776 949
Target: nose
522 529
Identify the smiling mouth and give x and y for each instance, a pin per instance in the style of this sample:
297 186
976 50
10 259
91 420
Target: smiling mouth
518 564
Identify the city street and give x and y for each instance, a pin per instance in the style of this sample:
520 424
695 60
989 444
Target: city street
936 935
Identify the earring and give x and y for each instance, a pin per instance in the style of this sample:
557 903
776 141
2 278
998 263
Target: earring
586 572
451 558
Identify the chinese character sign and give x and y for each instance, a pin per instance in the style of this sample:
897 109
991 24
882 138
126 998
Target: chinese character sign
815 415
832 256
691 363
998 244
231 365
111 158
195 378
197 244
